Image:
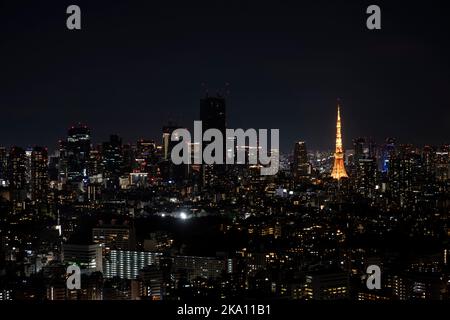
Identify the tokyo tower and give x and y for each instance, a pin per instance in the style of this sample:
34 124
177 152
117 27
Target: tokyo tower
339 171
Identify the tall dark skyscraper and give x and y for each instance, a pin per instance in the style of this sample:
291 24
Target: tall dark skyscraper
364 167
213 113
112 156
128 157
112 160
300 165
359 145
75 153
17 177
39 174
213 116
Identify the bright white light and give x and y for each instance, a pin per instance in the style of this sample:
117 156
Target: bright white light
183 215
163 215
58 227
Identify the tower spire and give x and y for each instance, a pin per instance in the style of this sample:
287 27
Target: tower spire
339 171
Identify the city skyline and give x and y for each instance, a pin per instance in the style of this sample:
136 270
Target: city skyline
224 152
129 70
95 140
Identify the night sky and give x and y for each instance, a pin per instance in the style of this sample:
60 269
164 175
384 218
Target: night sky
137 64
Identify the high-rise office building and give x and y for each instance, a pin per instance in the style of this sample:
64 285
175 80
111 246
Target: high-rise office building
429 163
112 160
17 177
406 176
128 157
39 174
363 167
387 152
301 167
213 113
366 176
62 165
146 155
28 152
359 147
75 152
213 116
95 163
443 163
53 167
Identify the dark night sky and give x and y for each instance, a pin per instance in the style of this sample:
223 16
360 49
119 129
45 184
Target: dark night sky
136 64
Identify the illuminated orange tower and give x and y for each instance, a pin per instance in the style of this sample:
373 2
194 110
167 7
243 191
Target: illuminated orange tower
339 171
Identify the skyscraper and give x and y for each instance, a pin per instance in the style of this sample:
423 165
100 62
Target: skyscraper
75 153
128 157
366 176
388 151
443 163
339 171
28 152
17 177
359 146
112 157
213 113
95 163
213 116
146 155
301 167
39 174
406 176
363 168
